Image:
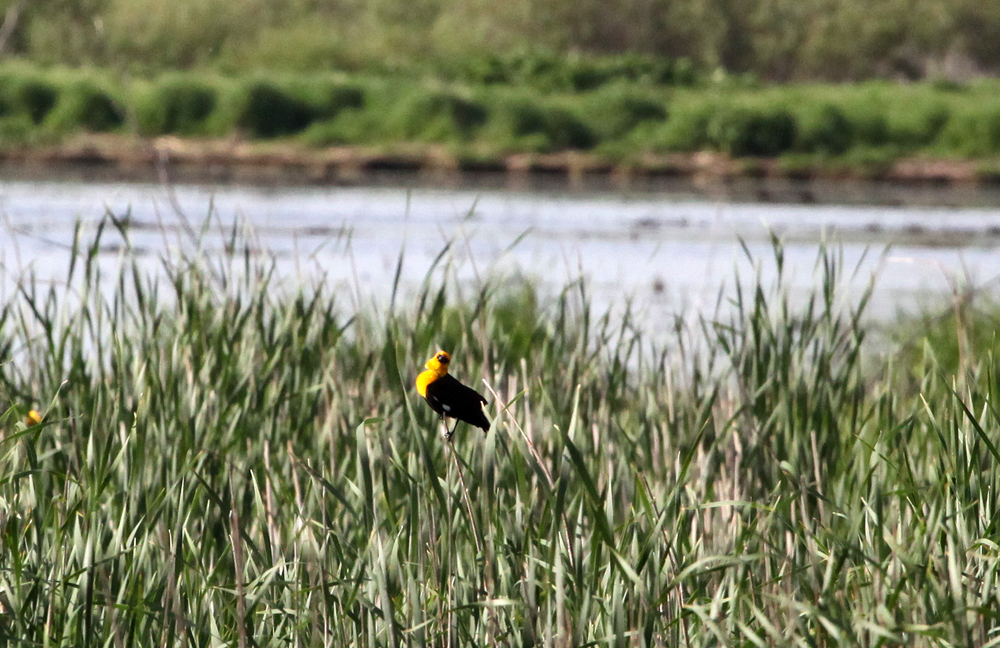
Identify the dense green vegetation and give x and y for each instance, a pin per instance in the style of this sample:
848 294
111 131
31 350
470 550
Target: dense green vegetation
224 460
657 109
622 80
771 39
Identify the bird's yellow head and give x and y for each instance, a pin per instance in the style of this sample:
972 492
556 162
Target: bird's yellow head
437 367
439 363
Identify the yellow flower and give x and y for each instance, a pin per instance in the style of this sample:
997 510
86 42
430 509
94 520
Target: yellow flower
33 418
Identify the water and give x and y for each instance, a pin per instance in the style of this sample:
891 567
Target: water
667 253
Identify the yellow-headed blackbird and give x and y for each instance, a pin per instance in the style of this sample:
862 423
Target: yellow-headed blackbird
448 397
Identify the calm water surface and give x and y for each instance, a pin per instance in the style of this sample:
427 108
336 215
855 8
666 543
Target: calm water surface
667 253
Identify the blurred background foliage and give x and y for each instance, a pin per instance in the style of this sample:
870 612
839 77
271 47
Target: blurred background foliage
777 40
589 105
816 82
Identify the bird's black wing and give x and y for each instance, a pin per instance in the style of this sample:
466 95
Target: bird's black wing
448 397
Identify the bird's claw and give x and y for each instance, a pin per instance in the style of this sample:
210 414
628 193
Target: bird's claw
449 433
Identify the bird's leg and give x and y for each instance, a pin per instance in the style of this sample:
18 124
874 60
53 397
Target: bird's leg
450 433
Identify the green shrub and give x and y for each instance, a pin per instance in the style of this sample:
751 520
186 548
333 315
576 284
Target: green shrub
577 73
870 128
825 130
915 126
541 70
331 132
614 113
868 161
177 105
544 71
437 116
974 131
520 124
363 110
489 69
29 95
565 131
753 132
85 105
16 129
686 129
36 98
583 78
325 96
265 110
527 124
684 72
588 73
338 97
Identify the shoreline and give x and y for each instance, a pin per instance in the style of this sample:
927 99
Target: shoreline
126 158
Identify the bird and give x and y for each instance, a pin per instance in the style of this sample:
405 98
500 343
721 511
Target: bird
448 397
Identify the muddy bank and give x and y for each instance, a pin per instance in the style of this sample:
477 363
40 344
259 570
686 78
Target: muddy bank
113 157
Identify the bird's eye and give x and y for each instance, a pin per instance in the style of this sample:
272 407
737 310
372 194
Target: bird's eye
442 358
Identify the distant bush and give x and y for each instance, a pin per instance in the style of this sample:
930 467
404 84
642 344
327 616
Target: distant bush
588 73
341 131
543 71
917 125
326 97
437 116
551 72
16 129
525 123
520 123
615 111
565 131
177 105
870 161
35 97
267 108
869 125
753 132
824 129
686 129
27 94
877 116
263 109
974 131
85 105
495 69
333 98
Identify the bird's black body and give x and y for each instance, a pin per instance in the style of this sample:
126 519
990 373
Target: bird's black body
448 397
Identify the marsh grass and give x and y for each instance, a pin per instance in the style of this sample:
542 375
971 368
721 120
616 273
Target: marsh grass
227 460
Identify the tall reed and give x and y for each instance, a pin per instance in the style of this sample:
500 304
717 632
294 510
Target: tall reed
225 459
